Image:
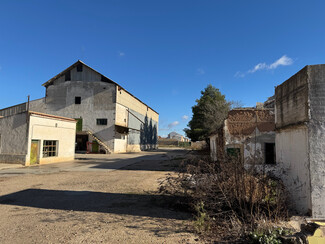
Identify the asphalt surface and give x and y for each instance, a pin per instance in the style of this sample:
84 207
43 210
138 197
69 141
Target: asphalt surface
90 162
94 199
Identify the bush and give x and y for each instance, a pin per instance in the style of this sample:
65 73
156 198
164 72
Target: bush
228 201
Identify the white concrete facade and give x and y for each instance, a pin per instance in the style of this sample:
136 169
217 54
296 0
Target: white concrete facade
18 131
44 128
293 166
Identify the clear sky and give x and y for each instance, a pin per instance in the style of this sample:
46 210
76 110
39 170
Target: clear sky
164 52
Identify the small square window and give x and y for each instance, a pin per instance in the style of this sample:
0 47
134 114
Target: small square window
50 149
67 76
77 100
79 68
101 121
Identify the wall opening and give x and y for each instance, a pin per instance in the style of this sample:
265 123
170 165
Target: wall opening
79 68
50 148
234 152
269 153
81 142
101 121
67 76
77 100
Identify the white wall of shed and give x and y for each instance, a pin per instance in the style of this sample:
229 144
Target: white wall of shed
293 161
64 132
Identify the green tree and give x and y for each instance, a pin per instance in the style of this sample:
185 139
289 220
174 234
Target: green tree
208 114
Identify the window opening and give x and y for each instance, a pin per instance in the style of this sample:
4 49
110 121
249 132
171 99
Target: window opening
77 100
67 76
50 149
101 121
79 68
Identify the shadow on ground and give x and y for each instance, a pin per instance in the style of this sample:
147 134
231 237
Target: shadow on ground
130 204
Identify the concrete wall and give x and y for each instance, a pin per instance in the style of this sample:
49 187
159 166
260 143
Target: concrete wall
34 105
142 121
120 145
316 130
126 99
292 100
43 128
13 138
293 161
300 103
97 102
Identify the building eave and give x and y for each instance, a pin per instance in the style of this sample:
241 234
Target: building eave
50 81
52 116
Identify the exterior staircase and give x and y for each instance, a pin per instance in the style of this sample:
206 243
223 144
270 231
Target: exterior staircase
100 142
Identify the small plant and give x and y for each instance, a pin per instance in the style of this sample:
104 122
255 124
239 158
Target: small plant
269 236
202 220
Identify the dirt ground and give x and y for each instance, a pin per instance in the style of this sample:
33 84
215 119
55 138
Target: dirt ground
81 205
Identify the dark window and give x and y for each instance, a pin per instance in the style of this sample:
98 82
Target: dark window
50 149
269 153
77 100
68 75
79 68
233 152
101 121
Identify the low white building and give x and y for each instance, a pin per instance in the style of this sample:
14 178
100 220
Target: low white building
36 138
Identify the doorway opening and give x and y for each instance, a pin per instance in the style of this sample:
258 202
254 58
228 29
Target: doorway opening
269 153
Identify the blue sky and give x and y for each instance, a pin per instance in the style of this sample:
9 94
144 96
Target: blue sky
164 52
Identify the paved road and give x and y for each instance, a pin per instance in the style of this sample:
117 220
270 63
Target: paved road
91 162
95 199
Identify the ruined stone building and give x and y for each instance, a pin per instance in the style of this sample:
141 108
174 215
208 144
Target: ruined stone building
109 118
300 138
247 133
292 122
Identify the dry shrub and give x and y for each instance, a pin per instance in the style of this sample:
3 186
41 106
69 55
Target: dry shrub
228 200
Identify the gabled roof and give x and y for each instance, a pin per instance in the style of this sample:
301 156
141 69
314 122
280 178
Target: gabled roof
50 81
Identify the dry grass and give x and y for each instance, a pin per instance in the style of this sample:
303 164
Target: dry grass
228 201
